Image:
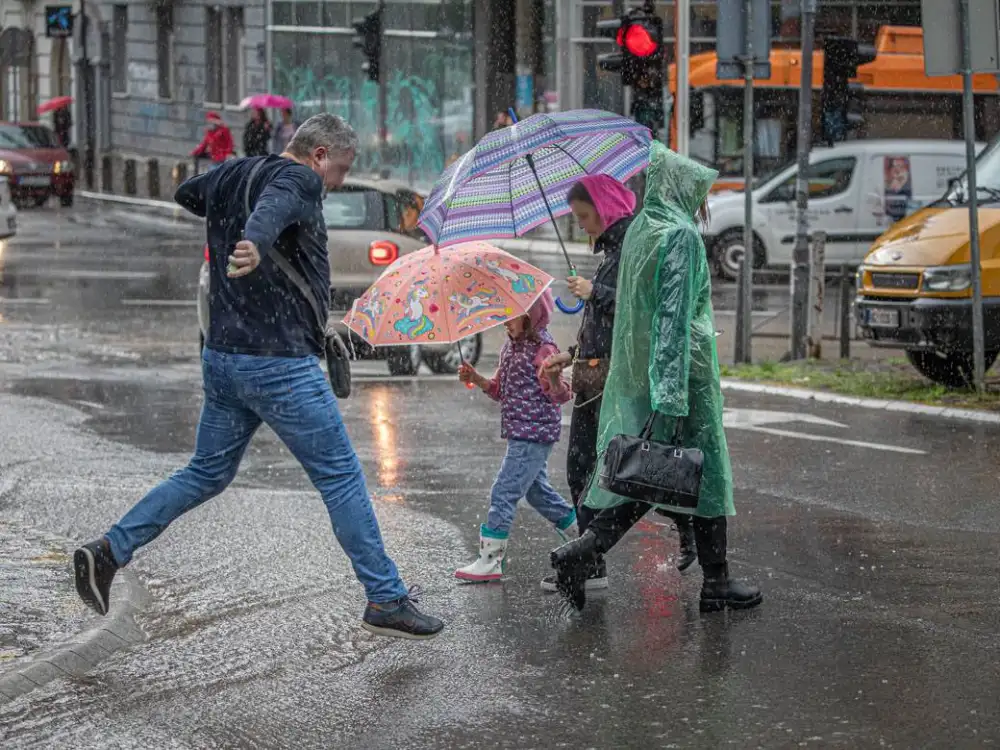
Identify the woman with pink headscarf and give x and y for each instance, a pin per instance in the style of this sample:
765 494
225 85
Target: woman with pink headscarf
604 209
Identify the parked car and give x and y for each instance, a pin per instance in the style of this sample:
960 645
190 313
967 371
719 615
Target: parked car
369 225
8 213
853 197
34 163
915 285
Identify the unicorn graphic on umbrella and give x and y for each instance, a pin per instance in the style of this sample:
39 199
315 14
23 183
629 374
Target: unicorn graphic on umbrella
520 283
415 323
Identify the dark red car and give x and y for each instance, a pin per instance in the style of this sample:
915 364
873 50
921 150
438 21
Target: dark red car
34 163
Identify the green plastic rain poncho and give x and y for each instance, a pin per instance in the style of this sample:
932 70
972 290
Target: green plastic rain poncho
663 354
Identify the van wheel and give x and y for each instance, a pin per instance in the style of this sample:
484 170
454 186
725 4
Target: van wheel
66 200
404 360
729 252
952 370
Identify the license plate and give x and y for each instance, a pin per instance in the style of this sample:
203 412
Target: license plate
30 181
880 318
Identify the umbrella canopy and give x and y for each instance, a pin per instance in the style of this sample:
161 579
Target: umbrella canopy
500 187
266 101
440 296
59 102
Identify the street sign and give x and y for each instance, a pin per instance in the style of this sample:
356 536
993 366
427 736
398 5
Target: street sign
731 39
943 36
58 21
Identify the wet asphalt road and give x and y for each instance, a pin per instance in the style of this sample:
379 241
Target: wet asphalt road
873 535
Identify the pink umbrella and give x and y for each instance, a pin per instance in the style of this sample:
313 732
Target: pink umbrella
51 105
267 101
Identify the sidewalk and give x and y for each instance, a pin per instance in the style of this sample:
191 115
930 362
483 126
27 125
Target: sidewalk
39 608
46 632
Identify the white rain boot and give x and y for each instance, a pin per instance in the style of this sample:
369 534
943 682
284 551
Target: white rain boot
490 564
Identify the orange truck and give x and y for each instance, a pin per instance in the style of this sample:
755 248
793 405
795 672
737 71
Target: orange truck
899 101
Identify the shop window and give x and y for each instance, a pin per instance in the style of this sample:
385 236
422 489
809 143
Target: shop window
119 49
165 51
224 55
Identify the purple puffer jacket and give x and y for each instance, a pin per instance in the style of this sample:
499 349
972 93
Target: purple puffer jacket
529 406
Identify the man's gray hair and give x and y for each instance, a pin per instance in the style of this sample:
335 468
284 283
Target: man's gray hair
323 130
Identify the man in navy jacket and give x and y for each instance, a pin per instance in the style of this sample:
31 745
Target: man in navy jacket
261 365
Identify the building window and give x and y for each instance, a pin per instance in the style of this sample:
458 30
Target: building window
119 49
223 55
165 51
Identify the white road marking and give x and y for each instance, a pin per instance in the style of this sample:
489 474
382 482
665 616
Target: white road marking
25 301
85 273
841 441
160 302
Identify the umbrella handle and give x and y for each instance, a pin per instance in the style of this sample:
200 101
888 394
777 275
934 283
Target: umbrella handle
570 310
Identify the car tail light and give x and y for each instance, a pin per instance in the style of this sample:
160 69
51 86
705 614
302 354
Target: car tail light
206 254
383 253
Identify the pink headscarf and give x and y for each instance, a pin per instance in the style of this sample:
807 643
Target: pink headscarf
540 313
612 200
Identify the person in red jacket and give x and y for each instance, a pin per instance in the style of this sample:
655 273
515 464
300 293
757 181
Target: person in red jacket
217 144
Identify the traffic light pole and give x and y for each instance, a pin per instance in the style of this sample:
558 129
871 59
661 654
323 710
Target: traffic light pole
744 304
978 357
682 105
799 278
383 105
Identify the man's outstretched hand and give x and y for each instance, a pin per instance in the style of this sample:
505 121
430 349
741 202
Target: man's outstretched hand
245 258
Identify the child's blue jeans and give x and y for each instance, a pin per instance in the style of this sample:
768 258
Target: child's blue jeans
523 473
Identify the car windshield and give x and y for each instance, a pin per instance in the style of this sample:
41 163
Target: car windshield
351 209
26 136
771 174
987 179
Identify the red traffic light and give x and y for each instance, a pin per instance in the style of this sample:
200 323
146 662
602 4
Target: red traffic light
639 41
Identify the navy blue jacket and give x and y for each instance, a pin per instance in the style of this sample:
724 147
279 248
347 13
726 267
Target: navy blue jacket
263 313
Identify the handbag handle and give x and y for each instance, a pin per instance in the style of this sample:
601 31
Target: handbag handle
647 429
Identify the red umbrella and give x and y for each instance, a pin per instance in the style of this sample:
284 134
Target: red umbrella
51 105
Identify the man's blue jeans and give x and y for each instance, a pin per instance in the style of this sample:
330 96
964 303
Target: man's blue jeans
293 396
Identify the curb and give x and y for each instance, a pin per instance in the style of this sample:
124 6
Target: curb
805 394
117 631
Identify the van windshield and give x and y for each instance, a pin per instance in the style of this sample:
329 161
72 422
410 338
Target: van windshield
987 178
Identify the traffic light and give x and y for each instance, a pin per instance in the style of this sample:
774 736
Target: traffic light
841 106
368 38
639 59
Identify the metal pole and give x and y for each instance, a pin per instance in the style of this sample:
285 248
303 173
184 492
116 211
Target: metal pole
682 104
845 312
383 99
978 358
745 293
799 277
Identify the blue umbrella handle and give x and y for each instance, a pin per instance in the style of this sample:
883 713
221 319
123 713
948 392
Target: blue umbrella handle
568 309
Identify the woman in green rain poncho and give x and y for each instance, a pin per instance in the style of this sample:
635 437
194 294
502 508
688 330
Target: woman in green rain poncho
663 359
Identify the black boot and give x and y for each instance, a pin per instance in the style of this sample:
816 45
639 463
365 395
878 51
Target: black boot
686 554
718 590
573 563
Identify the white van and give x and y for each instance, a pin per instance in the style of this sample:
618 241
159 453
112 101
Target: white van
857 190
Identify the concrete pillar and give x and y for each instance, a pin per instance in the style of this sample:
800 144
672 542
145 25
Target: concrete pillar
495 45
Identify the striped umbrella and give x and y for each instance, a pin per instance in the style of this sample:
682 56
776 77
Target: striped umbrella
517 178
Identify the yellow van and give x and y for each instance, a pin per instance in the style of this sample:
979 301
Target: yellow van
915 284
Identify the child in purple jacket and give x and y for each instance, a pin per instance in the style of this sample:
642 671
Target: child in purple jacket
530 422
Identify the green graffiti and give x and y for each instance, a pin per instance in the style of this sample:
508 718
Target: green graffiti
416 135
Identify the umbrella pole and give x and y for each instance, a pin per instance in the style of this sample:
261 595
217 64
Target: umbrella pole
572 268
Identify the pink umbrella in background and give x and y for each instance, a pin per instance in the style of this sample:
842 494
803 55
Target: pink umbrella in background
59 102
267 101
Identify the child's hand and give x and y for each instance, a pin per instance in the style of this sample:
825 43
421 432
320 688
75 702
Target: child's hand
468 375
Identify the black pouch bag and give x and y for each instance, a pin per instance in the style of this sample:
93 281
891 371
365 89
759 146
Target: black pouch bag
644 469
338 359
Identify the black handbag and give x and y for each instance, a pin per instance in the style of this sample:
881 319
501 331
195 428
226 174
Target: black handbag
644 469
338 359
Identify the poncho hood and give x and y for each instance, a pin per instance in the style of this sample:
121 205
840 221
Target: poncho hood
676 182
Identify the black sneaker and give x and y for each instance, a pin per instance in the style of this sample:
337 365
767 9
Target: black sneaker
95 569
573 563
401 619
719 591
597 580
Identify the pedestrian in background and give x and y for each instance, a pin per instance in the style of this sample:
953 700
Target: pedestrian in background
664 362
530 422
217 144
257 134
62 123
284 131
261 365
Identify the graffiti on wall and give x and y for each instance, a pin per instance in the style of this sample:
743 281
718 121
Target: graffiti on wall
423 128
